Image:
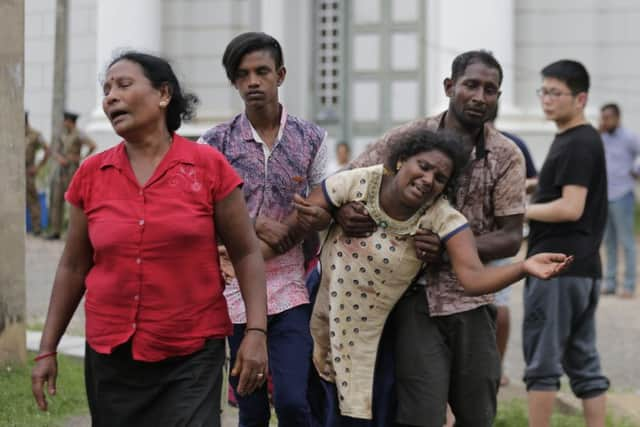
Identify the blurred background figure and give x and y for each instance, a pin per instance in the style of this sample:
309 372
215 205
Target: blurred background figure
67 153
342 158
621 148
503 315
34 142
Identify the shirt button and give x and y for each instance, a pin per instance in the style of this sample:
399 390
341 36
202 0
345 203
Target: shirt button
136 297
133 326
138 260
141 222
140 192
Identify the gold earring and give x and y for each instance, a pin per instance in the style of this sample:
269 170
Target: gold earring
398 165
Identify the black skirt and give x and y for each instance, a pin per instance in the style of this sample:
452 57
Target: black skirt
179 391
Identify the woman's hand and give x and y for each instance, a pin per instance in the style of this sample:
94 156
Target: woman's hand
251 362
44 372
547 265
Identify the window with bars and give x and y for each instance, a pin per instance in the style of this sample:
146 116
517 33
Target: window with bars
328 60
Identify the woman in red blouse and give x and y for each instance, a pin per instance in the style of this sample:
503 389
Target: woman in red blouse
145 217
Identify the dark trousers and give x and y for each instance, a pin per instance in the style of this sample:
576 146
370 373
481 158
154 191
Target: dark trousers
289 346
179 391
559 335
443 359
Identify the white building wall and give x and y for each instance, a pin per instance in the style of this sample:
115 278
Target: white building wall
38 60
81 70
82 73
195 34
604 36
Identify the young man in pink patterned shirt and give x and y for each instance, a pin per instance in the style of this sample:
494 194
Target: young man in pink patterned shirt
277 156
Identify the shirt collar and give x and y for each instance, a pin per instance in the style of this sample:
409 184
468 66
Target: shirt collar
178 153
249 133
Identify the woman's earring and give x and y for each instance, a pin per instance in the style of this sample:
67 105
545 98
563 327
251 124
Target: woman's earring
398 165
163 104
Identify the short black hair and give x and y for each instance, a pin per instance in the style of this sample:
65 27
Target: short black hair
462 61
182 106
71 116
572 73
416 141
246 43
611 106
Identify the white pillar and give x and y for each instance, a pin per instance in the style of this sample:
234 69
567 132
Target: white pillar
456 26
122 25
289 21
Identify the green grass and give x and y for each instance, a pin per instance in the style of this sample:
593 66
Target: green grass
18 408
514 414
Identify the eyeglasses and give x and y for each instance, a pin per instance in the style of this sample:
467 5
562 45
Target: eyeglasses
553 94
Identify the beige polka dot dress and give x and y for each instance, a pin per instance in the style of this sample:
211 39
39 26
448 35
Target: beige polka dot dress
362 279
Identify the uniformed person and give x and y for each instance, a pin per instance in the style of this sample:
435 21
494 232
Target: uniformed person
34 142
67 153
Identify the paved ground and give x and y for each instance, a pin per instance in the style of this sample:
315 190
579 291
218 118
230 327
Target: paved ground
618 329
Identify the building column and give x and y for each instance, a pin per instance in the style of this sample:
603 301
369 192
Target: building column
290 23
140 28
456 26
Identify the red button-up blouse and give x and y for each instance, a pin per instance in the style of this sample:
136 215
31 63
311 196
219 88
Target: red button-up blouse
156 276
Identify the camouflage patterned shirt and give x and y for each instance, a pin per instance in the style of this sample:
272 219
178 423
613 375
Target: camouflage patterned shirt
493 185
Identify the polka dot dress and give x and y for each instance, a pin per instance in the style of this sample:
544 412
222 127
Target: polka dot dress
362 279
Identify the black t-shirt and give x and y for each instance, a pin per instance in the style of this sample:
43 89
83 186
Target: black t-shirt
576 157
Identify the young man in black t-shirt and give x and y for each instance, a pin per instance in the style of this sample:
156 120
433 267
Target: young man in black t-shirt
568 215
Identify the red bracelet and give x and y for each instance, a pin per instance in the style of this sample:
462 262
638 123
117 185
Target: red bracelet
44 356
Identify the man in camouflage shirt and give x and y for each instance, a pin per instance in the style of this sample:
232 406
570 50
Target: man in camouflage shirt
445 348
67 153
33 142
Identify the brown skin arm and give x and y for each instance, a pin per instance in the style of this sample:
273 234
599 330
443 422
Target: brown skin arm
355 220
236 232
476 279
68 288
310 215
90 143
501 243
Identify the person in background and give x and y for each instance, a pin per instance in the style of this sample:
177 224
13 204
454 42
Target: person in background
278 156
341 161
141 248
34 142
567 214
503 314
67 152
621 149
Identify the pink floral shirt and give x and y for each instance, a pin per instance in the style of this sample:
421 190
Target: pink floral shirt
295 164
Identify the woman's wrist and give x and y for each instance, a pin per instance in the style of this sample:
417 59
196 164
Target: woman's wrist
256 329
44 355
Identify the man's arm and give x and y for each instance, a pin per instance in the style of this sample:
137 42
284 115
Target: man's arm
90 143
569 207
503 242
